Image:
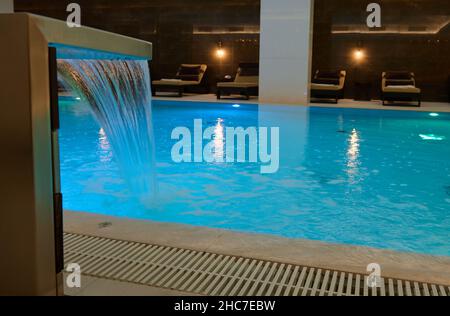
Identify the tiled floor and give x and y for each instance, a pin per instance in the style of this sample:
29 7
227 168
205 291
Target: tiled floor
92 286
207 273
354 259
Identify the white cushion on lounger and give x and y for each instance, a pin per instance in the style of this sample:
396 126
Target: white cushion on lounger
241 82
331 87
323 86
179 82
164 79
402 89
246 79
237 84
174 82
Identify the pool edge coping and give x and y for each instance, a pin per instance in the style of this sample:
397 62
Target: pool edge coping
440 107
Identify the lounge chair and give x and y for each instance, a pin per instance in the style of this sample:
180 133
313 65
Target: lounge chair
328 85
399 86
245 83
188 75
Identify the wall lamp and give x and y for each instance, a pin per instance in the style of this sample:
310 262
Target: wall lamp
358 55
220 51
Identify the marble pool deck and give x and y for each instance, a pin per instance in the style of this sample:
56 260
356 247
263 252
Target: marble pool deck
407 266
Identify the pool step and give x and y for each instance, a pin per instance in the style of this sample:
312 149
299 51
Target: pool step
208 273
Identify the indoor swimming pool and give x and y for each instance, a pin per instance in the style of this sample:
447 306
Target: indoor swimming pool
361 177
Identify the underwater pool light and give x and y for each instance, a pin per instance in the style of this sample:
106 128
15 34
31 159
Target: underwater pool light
78 98
434 114
431 137
236 105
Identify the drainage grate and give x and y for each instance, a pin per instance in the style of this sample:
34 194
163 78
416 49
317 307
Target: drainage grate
215 274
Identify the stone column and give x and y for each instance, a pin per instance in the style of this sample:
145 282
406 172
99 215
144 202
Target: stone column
285 51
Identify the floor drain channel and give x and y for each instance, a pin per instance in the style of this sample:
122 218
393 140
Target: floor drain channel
215 274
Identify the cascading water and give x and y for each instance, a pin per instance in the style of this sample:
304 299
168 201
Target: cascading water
118 93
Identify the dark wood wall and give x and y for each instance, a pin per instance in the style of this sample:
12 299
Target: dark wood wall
182 31
187 31
414 47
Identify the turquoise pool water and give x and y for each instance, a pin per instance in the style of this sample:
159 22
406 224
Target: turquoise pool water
361 177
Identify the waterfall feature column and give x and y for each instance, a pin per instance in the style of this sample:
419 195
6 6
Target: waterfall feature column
118 93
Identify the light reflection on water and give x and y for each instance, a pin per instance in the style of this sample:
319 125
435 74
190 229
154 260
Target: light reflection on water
104 147
219 140
353 156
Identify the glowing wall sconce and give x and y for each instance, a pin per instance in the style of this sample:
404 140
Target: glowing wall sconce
220 51
358 55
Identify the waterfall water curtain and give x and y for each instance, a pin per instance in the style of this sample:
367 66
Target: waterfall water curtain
118 93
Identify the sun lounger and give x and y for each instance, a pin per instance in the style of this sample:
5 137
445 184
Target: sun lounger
399 86
245 83
328 85
188 75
